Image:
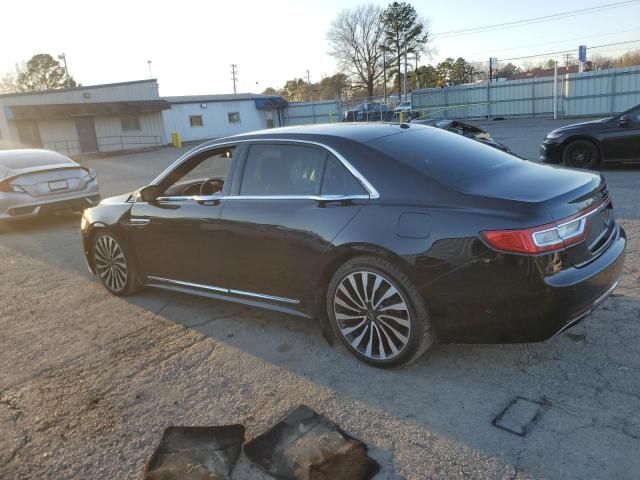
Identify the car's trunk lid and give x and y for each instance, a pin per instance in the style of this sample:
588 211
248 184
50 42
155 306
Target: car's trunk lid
51 181
564 194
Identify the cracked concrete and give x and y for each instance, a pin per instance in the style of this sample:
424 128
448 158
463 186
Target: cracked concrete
88 381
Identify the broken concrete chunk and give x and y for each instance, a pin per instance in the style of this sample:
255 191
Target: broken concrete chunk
196 453
305 445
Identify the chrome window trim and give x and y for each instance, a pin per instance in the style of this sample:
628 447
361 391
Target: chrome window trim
230 291
209 198
373 193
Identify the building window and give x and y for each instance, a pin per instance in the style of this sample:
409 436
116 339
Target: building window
195 120
234 117
130 124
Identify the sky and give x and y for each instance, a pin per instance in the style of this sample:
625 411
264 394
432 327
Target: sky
191 43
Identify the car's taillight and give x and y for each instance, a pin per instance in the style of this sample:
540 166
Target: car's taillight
543 238
7 187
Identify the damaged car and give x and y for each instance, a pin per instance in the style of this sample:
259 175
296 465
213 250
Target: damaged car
464 129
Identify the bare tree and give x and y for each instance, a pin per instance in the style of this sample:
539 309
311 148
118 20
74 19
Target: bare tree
9 80
355 37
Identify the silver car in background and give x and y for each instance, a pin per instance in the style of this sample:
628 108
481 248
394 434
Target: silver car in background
34 182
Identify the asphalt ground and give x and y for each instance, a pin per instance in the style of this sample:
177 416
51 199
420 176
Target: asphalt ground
88 381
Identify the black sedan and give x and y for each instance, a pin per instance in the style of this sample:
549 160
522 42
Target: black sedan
392 236
589 144
462 128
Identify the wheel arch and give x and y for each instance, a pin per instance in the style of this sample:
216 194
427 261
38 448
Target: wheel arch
344 253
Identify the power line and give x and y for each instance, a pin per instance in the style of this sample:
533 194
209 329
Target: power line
530 21
567 51
582 38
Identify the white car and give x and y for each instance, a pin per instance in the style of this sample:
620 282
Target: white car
34 182
403 107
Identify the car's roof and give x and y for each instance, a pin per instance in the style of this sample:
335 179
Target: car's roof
359 132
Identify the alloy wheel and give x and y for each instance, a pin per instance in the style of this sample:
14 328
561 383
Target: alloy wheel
580 156
110 263
372 315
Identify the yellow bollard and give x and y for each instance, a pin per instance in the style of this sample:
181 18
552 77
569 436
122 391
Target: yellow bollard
175 139
401 117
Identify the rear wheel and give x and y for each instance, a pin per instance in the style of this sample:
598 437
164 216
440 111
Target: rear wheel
581 154
377 313
113 265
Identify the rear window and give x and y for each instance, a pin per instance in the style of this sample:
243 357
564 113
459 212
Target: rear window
445 156
18 160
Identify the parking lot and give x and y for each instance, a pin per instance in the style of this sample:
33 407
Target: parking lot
88 381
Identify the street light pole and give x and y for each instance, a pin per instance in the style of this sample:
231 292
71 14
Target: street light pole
309 83
149 63
63 57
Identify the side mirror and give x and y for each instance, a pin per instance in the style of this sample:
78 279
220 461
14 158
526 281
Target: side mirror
148 193
625 121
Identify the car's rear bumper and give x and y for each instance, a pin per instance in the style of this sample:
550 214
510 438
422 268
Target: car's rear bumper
34 207
550 152
518 303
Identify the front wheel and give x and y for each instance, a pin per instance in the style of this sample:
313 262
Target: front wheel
113 265
377 313
581 154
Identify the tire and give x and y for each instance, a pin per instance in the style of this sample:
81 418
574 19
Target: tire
113 264
581 154
357 314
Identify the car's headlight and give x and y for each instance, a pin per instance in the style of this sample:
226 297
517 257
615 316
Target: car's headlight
554 134
17 189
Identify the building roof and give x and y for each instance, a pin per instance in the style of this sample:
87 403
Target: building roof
74 89
230 97
23 112
547 72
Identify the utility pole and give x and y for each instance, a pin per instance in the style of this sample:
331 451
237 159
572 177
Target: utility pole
63 57
416 74
384 72
150 74
234 75
555 90
309 83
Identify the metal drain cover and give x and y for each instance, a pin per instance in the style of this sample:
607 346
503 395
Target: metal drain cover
520 415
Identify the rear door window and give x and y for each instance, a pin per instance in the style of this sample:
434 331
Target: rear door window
282 170
339 181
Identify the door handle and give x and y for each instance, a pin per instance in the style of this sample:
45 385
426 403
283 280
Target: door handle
213 203
139 221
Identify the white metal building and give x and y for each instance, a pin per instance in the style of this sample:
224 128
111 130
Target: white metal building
199 117
99 118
